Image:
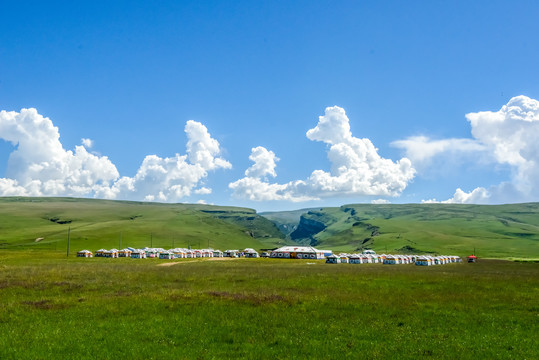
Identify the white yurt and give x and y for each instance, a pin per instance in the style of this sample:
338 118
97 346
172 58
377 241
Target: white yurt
124 253
178 253
113 253
422 261
333 259
250 253
218 253
232 253
138 254
151 253
100 253
85 254
168 255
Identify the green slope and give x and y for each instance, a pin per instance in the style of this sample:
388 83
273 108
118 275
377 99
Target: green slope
501 231
102 223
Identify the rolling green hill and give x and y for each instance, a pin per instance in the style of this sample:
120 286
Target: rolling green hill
44 223
500 231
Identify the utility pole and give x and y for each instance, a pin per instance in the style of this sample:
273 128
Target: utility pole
68 236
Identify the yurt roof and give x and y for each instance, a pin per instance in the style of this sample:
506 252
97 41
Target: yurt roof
301 249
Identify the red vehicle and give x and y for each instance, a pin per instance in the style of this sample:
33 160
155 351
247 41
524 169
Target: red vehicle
472 258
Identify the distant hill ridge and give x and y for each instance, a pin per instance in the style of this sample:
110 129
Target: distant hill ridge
502 231
97 224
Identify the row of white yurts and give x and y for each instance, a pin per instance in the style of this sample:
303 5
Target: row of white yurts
176 253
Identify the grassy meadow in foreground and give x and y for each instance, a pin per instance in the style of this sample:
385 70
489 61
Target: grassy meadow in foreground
54 307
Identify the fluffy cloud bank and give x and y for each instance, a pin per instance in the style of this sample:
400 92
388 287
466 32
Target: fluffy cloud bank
477 196
508 136
40 166
356 168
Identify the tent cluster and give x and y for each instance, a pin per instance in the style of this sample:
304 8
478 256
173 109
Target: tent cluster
364 258
437 260
399 259
177 253
368 257
285 252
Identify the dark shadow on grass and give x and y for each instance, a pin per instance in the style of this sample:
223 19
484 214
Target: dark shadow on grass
44 305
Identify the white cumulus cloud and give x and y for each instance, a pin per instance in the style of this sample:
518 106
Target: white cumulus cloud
356 168
87 143
477 196
509 136
265 162
40 166
380 201
203 191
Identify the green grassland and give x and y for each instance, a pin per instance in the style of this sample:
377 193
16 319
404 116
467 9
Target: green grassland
497 231
501 231
98 224
58 307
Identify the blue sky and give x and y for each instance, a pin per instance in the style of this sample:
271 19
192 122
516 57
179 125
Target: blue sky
258 75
